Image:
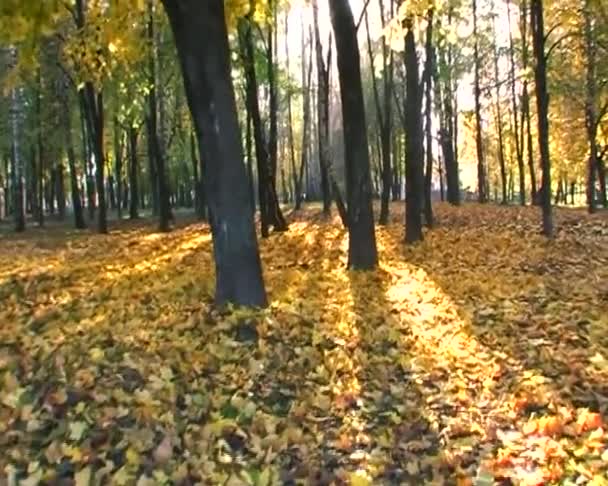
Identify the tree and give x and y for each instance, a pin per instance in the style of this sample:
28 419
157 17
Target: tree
542 102
201 37
481 170
362 252
16 151
323 112
414 149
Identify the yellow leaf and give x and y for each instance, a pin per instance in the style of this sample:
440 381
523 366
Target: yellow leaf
359 478
83 477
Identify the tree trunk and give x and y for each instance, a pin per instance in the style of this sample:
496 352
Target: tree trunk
92 102
383 113
38 189
501 146
591 121
542 101
481 171
290 137
60 191
118 150
323 112
162 188
201 38
429 68
270 211
133 174
525 104
414 149
362 252
69 145
306 82
17 152
516 128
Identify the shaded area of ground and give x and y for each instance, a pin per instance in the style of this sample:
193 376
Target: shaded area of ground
478 354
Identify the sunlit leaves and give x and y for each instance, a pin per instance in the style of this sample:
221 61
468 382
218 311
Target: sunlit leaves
470 359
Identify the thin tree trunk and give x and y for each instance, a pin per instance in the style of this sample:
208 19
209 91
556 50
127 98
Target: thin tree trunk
591 121
162 189
429 68
17 155
501 146
516 128
525 103
542 101
323 113
270 210
481 171
362 251
133 174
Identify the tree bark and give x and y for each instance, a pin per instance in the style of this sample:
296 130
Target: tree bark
591 121
362 252
481 170
414 149
501 146
542 102
133 174
525 104
323 112
17 152
161 188
516 128
429 68
201 38
270 211
383 113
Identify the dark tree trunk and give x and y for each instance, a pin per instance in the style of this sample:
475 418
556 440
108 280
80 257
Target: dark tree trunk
17 155
38 192
414 149
69 145
525 104
429 68
201 37
501 146
481 170
161 188
92 103
447 137
601 173
306 82
591 116
516 128
323 113
362 252
60 191
86 153
383 113
542 101
270 211
133 174
118 151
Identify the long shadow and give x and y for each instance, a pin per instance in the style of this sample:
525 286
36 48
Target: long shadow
521 305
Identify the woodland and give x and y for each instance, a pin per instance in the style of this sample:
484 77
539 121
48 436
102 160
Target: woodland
317 242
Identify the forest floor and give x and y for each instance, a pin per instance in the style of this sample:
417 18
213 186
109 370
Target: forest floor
478 356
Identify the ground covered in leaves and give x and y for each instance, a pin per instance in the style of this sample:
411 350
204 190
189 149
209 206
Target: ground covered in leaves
478 357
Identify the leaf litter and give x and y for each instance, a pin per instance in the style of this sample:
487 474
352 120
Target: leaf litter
477 357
